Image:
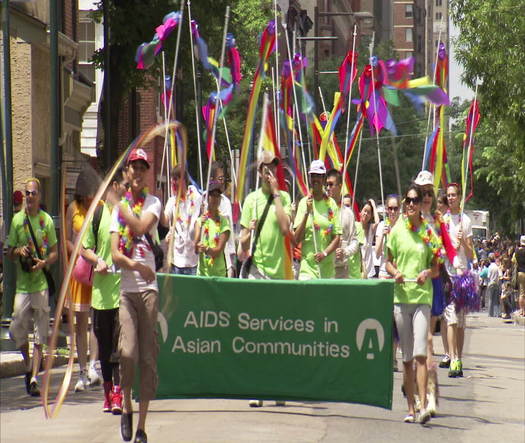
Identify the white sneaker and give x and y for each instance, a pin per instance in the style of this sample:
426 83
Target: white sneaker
424 416
431 404
255 403
82 383
94 378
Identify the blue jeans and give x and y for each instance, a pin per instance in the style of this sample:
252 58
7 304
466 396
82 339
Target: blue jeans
183 271
493 292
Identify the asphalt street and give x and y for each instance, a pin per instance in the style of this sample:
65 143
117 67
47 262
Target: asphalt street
486 405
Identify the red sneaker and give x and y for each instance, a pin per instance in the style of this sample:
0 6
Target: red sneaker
116 401
108 394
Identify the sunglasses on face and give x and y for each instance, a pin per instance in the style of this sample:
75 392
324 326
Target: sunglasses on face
393 208
31 193
414 200
428 193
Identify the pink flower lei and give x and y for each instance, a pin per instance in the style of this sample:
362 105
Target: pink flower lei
125 234
211 243
45 240
426 234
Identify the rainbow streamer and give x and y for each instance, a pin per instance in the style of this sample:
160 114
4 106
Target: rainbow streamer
266 48
471 124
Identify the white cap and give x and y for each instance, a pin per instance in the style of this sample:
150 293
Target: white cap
522 240
317 167
424 178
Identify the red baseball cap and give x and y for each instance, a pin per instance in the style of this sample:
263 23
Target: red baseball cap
18 198
138 154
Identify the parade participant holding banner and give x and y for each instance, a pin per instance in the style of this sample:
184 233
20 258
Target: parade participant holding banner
366 230
265 222
460 229
347 255
318 227
225 208
135 220
32 245
393 206
413 255
184 256
211 235
106 292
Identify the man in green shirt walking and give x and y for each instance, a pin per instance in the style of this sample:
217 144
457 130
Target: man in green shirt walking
31 306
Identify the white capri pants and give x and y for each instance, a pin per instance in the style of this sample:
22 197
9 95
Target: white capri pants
30 309
412 322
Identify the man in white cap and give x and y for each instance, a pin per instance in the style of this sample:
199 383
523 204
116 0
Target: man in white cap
265 226
136 216
318 227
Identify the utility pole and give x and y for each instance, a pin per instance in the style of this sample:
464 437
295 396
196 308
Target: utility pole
55 97
7 162
107 152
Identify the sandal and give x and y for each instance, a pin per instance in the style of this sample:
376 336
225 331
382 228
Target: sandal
409 419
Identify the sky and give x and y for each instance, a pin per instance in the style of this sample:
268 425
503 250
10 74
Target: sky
457 88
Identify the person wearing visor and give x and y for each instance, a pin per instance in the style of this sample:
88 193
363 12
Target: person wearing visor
318 226
211 235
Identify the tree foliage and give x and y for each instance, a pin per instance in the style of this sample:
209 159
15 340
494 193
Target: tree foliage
491 47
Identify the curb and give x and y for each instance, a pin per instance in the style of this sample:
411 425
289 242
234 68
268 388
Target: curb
12 364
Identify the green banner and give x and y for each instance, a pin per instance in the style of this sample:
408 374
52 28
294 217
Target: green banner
327 340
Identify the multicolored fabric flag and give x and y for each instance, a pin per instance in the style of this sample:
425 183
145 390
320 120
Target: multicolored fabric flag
266 47
471 125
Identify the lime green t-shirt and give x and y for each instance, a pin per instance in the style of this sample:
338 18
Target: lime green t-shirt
411 256
19 235
327 225
270 250
354 262
105 293
210 232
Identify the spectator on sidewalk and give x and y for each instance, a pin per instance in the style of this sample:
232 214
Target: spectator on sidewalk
493 287
31 305
519 258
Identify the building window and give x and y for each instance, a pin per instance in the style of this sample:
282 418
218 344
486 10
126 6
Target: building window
439 2
86 48
409 35
409 11
439 15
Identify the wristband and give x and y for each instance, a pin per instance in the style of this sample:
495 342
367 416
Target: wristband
276 195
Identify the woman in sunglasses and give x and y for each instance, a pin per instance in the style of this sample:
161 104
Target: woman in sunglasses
414 252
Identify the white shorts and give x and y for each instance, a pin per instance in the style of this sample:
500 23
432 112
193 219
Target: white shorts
30 308
453 317
412 322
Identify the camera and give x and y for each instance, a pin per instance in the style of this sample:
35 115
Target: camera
27 263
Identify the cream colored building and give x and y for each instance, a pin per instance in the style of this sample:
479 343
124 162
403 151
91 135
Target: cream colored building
30 92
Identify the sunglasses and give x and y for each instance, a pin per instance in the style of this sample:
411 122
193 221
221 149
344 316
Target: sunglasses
392 208
428 193
414 200
330 185
31 193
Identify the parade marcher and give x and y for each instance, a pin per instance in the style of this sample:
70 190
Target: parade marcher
460 229
80 302
413 254
105 293
32 245
225 208
184 259
265 228
393 206
347 256
211 235
134 221
366 229
317 225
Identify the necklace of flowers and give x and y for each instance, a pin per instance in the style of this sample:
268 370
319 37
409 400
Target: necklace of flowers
45 240
206 238
426 234
330 216
125 234
189 197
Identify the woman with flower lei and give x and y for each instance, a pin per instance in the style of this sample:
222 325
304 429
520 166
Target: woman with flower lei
317 226
414 253
211 234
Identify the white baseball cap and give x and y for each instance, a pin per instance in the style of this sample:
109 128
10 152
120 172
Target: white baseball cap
424 178
317 167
